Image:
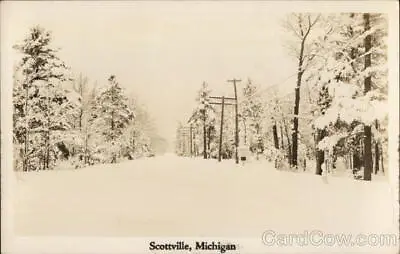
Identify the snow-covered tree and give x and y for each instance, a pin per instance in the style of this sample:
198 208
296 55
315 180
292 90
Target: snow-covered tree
83 128
204 120
228 133
140 135
252 114
179 140
42 105
277 112
82 88
353 73
111 114
301 25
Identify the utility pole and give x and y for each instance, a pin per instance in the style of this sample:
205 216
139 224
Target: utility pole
203 112
236 120
192 136
221 128
223 103
194 145
191 140
204 134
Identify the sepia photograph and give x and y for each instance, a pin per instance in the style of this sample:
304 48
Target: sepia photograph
200 127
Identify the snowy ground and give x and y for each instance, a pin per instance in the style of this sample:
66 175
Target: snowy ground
173 196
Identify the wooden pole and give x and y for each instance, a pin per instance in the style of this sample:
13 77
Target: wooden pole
282 146
191 140
236 120
204 134
221 128
223 103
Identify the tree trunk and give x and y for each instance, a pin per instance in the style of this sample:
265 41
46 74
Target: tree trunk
81 85
112 124
381 153
47 137
297 104
351 161
80 119
367 153
377 159
275 133
356 161
245 131
377 152
47 158
86 159
26 139
367 88
114 156
289 143
209 140
204 135
281 132
361 154
320 155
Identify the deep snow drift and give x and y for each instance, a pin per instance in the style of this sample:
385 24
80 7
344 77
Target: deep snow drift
174 196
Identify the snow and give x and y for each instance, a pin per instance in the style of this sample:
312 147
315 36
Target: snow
175 196
328 143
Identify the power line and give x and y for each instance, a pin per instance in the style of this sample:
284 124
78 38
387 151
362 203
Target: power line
271 86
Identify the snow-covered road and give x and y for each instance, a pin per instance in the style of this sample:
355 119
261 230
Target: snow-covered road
173 196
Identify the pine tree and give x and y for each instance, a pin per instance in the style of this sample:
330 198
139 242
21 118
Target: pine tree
324 101
203 118
42 106
356 79
111 115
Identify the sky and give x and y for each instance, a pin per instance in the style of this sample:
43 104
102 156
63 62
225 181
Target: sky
163 51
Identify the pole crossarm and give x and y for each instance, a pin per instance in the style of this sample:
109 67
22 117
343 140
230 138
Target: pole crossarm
220 97
219 103
234 80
